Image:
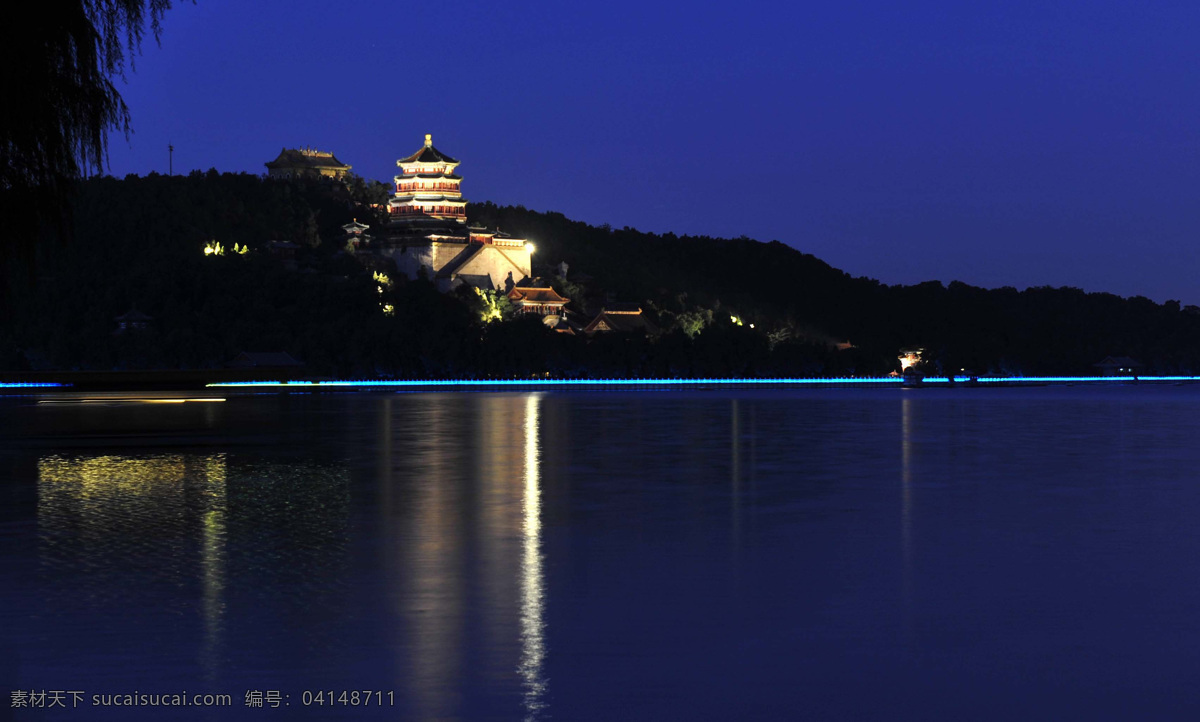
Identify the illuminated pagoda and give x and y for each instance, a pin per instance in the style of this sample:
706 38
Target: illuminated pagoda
427 192
428 232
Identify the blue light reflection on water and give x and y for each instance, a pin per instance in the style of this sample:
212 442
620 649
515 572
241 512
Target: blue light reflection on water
836 554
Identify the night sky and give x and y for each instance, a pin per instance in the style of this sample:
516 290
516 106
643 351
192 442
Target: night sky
1014 143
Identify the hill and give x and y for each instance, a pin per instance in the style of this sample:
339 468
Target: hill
797 296
726 306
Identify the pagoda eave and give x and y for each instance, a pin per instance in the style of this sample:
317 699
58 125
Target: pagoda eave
411 164
427 176
411 200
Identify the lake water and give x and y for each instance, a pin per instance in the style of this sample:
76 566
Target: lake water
831 554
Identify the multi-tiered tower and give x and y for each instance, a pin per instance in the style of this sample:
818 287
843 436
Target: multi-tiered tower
427 193
428 233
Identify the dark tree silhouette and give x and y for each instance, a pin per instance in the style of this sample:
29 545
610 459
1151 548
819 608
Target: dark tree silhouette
57 64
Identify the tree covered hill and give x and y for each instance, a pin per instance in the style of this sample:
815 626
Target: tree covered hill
795 295
139 243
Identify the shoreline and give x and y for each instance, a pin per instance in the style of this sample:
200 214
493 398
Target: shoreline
116 381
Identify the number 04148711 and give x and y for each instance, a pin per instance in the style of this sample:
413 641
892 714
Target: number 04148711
348 698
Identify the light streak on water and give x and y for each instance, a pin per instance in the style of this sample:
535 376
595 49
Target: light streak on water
118 399
533 643
213 563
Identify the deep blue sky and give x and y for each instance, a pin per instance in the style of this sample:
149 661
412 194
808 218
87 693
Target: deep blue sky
997 143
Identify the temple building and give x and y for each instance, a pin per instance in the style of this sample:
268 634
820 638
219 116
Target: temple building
356 235
621 318
533 295
132 320
306 163
428 232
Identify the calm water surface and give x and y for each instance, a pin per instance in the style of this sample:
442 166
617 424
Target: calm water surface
834 554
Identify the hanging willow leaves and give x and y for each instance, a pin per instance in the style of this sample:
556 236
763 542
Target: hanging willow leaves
57 66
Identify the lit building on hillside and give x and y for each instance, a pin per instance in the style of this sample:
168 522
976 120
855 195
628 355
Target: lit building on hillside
306 163
533 295
428 232
356 235
427 190
621 318
910 357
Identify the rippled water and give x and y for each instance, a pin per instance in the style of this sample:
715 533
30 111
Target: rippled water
817 554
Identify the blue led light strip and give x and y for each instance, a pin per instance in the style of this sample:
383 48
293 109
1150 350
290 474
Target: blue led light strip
493 383
31 384
1073 379
559 382
878 381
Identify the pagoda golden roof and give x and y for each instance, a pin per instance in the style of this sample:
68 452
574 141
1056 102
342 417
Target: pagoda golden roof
427 154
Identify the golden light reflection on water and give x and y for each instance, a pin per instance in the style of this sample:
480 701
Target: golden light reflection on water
186 538
117 399
129 507
464 503
430 542
213 561
499 471
533 644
